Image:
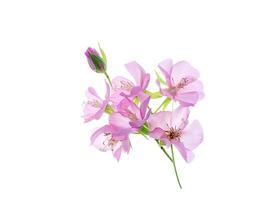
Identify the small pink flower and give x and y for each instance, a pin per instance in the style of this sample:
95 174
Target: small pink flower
115 136
182 81
111 138
173 128
129 115
95 106
121 85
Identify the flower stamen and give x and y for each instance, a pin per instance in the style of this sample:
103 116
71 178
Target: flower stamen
184 82
125 85
109 142
94 103
174 134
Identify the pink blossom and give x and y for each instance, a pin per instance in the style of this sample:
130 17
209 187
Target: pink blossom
111 138
182 81
95 106
115 136
121 85
173 128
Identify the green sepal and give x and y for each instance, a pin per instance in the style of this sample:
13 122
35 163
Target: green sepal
161 143
153 95
99 63
104 57
136 100
161 80
144 130
109 110
166 103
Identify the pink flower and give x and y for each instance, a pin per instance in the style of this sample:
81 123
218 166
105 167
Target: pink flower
129 115
173 128
95 106
115 136
121 85
182 81
111 138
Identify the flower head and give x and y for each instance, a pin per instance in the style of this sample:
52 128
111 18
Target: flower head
182 82
173 128
122 86
111 138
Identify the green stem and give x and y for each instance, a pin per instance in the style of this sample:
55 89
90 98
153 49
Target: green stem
143 131
163 149
174 166
106 74
161 105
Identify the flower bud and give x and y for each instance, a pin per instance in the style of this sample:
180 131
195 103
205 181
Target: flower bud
96 62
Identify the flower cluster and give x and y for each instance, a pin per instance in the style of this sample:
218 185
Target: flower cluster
128 105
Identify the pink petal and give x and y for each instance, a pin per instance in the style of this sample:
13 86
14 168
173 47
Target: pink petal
122 134
165 92
91 112
135 91
126 146
166 68
101 111
124 104
117 153
166 141
192 135
141 77
160 120
95 106
99 138
145 81
179 117
143 107
91 94
137 124
190 94
157 133
183 70
135 110
107 92
187 99
98 132
126 108
122 84
142 96
195 86
116 98
118 120
170 92
186 153
148 114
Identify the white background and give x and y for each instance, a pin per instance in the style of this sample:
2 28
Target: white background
44 144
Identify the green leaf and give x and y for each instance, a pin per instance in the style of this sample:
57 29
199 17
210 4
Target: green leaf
161 80
166 103
102 53
153 95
